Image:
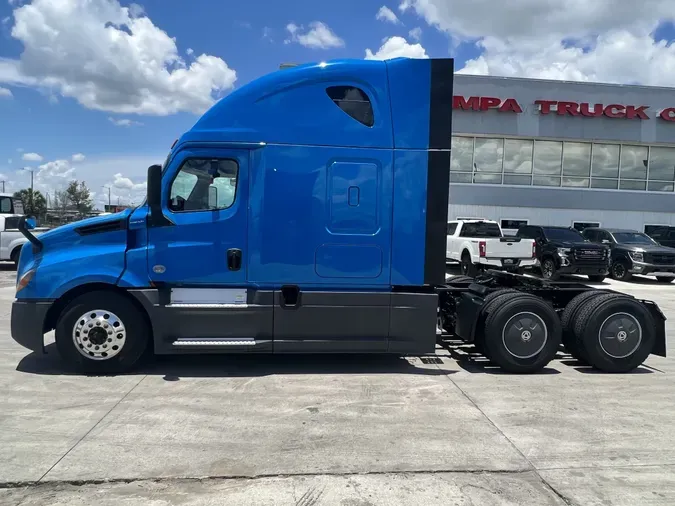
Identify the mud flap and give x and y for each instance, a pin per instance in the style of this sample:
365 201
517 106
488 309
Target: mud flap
660 344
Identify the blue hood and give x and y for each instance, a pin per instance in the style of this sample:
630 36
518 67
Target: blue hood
66 233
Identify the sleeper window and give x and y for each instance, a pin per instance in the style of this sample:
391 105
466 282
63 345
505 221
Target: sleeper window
204 184
354 102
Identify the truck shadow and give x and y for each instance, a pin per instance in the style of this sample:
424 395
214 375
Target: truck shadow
174 367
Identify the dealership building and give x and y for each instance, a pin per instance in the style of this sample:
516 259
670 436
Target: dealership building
538 152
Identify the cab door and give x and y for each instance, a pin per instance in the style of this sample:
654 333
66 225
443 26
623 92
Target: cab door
204 198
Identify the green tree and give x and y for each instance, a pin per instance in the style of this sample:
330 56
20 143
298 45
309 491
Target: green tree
34 203
78 195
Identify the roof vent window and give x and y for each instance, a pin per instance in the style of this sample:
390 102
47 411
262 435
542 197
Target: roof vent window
354 102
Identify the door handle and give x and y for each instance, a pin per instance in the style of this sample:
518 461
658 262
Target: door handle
234 259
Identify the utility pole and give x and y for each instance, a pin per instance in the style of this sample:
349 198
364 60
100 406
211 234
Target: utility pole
108 188
3 186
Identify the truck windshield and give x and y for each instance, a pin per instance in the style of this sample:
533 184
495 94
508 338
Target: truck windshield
633 238
481 229
563 235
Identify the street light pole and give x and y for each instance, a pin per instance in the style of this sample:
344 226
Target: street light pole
107 188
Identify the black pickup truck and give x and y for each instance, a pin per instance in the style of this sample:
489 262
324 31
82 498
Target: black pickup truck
563 250
635 253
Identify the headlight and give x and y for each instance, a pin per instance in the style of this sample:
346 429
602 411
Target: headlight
564 251
24 280
638 256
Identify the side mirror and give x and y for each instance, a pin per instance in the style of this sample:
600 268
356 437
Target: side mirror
157 218
213 197
30 223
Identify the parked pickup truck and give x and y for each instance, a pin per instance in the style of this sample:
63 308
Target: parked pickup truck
481 244
11 239
635 253
563 250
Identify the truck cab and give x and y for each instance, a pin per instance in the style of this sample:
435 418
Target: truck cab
305 211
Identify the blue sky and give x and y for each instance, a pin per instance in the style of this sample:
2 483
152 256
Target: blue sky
70 86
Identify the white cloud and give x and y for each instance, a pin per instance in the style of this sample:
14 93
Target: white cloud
386 14
124 122
32 157
545 38
395 47
415 33
267 33
405 5
319 36
189 51
111 58
55 175
78 157
5 93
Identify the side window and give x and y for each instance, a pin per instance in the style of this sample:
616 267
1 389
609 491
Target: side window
6 205
592 235
354 102
451 228
11 223
204 184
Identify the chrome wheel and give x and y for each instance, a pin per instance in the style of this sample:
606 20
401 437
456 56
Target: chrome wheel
548 269
620 335
524 335
99 334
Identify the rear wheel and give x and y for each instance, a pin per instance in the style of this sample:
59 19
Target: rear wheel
662 279
616 332
101 333
620 271
14 257
467 267
522 333
568 318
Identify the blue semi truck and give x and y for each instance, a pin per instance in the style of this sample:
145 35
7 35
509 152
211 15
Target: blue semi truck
306 212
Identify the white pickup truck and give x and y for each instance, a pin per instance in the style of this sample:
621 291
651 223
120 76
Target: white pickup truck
11 239
480 244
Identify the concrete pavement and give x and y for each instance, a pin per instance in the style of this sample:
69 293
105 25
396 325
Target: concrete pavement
338 430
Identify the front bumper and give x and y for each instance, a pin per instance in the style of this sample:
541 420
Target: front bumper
585 270
28 319
652 269
507 263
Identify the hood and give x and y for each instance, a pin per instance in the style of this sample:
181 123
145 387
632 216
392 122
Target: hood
68 233
647 248
577 244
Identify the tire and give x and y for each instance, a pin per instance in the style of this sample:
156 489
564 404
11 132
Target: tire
85 315
489 304
14 257
616 332
522 334
460 279
549 270
596 279
662 279
619 271
467 267
568 318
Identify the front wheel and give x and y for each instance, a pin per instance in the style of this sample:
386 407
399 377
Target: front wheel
620 271
102 333
549 269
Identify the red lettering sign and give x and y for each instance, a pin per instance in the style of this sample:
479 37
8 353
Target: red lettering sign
668 114
486 103
458 102
562 108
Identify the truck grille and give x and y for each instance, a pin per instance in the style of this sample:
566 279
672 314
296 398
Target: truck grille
589 255
660 258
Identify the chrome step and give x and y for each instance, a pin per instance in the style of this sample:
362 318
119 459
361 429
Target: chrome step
208 306
214 341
